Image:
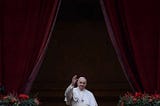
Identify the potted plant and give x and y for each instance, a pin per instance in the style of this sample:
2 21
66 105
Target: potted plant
139 99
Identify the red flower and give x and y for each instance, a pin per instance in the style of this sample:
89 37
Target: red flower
5 97
23 96
138 94
156 96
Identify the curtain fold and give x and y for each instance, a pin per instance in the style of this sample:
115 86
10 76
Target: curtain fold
26 27
134 28
43 48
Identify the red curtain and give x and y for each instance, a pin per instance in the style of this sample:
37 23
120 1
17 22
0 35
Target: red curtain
25 29
134 28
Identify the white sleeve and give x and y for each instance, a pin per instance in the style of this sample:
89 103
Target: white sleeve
93 100
68 94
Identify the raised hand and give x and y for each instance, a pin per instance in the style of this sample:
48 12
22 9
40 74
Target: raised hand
74 80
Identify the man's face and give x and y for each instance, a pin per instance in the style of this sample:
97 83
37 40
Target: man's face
82 82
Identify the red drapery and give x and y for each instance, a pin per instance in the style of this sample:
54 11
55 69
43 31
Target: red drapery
25 27
134 28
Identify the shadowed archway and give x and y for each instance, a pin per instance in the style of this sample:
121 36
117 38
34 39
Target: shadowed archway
81 46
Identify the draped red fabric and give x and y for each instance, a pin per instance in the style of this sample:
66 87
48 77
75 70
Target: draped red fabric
134 28
25 30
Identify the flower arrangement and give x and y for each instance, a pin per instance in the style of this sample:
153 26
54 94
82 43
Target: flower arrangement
139 99
13 99
20 100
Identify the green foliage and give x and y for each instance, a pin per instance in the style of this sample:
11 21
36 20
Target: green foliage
16 100
139 99
20 100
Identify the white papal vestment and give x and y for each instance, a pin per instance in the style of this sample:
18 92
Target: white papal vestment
76 97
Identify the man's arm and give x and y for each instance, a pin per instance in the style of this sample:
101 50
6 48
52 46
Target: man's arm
68 92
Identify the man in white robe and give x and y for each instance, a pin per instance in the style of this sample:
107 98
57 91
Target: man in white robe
79 96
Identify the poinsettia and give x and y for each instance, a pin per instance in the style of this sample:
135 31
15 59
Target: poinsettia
139 99
20 100
13 99
23 96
